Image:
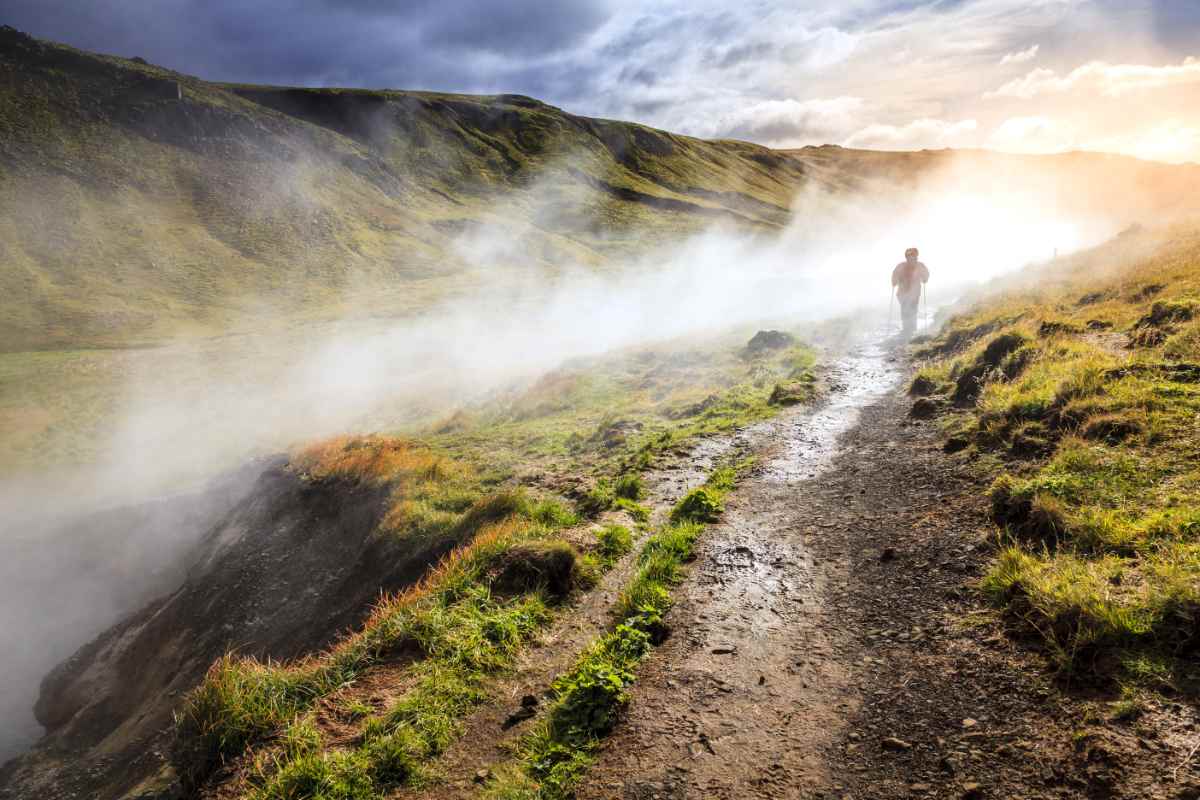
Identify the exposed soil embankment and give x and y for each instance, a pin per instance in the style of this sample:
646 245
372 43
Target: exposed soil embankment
288 568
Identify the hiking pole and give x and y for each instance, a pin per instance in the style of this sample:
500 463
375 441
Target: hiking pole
925 307
891 305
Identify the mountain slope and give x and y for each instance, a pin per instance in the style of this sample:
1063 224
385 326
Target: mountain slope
136 203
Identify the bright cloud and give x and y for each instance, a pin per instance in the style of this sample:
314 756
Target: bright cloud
1020 56
919 133
1032 134
1171 141
790 122
1112 80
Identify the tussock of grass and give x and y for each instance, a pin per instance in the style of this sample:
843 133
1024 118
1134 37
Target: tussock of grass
639 513
705 503
598 499
614 541
629 487
372 459
702 504
1101 554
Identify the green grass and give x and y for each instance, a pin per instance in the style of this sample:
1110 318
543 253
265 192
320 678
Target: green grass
1098 496
117 240
614 542
589 698
476 637
451 623
613 416
121 232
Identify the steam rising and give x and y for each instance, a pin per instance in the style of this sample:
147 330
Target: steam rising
228 400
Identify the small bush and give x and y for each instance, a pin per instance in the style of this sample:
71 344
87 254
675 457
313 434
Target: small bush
592 695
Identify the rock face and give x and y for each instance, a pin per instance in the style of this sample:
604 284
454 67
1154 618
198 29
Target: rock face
764 341
280 575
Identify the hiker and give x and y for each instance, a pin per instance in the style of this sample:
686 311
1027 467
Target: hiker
908 277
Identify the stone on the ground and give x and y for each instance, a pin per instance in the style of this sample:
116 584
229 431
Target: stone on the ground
895 745
769 340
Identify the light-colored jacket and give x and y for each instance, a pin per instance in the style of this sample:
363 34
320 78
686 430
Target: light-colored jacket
907 278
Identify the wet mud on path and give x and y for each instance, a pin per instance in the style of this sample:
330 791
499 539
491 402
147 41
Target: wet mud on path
748 695
828 644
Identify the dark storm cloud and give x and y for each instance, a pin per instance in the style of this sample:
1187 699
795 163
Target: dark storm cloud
418 43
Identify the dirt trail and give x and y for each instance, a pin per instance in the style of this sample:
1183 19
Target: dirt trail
828 643
748 696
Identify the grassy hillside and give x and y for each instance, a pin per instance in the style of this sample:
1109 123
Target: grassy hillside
1078 386
137 203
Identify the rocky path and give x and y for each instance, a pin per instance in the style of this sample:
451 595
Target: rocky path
829 644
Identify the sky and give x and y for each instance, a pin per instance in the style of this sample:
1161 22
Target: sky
1016 75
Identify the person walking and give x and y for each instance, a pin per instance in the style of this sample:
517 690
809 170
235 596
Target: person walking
908 278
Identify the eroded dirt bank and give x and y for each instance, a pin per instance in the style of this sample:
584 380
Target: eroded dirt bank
829 645
278 576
